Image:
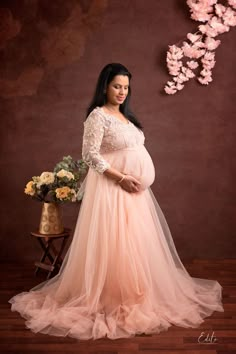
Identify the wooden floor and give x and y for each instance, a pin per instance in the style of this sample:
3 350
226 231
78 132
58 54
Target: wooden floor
15 338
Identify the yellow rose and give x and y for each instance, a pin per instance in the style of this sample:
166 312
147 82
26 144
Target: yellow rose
63 192
63 173
29 188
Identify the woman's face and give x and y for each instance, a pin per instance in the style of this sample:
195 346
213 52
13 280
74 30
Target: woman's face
117 89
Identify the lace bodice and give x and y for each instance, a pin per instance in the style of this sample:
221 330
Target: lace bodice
104 132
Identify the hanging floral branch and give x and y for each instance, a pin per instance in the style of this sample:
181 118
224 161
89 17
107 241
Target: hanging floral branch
199 50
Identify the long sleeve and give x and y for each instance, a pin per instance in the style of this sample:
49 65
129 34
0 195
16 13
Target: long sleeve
92 139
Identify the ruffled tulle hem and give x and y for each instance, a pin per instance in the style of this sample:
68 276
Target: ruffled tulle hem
44 315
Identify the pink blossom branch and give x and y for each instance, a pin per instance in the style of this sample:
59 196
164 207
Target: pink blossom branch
201 45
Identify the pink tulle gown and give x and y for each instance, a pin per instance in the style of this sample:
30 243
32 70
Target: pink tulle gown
121 275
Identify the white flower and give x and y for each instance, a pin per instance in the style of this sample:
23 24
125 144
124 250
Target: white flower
73 195
45 178
63 173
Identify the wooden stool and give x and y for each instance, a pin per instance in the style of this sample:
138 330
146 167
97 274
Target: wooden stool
50 252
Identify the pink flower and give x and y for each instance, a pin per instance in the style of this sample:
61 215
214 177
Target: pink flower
182 78
208 64
232 3
199 44
208 60
205 72
206 29
174 66
219 9
205 80
202 28
209 56
170 90
193 37
171 83
201 10
200 16
188 72
192 51
179 86
173 63
192 64
217 25
175 52
178 80
229 17
174 72
211 43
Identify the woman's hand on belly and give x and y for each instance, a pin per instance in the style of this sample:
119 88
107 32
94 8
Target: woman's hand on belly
130 184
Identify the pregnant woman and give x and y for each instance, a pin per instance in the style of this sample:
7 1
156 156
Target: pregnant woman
122 274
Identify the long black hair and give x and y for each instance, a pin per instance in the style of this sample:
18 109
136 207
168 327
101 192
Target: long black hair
99 99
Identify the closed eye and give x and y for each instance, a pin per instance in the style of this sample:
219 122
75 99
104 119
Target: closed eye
121 86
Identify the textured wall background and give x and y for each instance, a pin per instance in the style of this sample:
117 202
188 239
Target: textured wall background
51 53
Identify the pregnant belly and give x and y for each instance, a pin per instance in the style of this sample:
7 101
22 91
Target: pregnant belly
134 161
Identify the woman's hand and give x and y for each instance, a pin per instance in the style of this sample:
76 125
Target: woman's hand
127 182
130 184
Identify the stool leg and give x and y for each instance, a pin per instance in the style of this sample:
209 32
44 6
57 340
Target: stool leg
55 253
58 256
46 253
46 248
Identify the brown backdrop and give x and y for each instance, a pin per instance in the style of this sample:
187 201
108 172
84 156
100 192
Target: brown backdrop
51 54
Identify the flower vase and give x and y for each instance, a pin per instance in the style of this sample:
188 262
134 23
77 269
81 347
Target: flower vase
51 219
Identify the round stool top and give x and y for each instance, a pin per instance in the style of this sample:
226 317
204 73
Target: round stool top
65 233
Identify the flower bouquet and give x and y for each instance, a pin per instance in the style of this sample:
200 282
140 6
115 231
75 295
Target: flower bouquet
54 188
61 185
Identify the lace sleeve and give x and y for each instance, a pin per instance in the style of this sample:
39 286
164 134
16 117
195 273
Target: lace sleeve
92 139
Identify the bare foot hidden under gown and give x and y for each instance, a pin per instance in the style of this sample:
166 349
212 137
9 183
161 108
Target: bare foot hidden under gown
121 275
